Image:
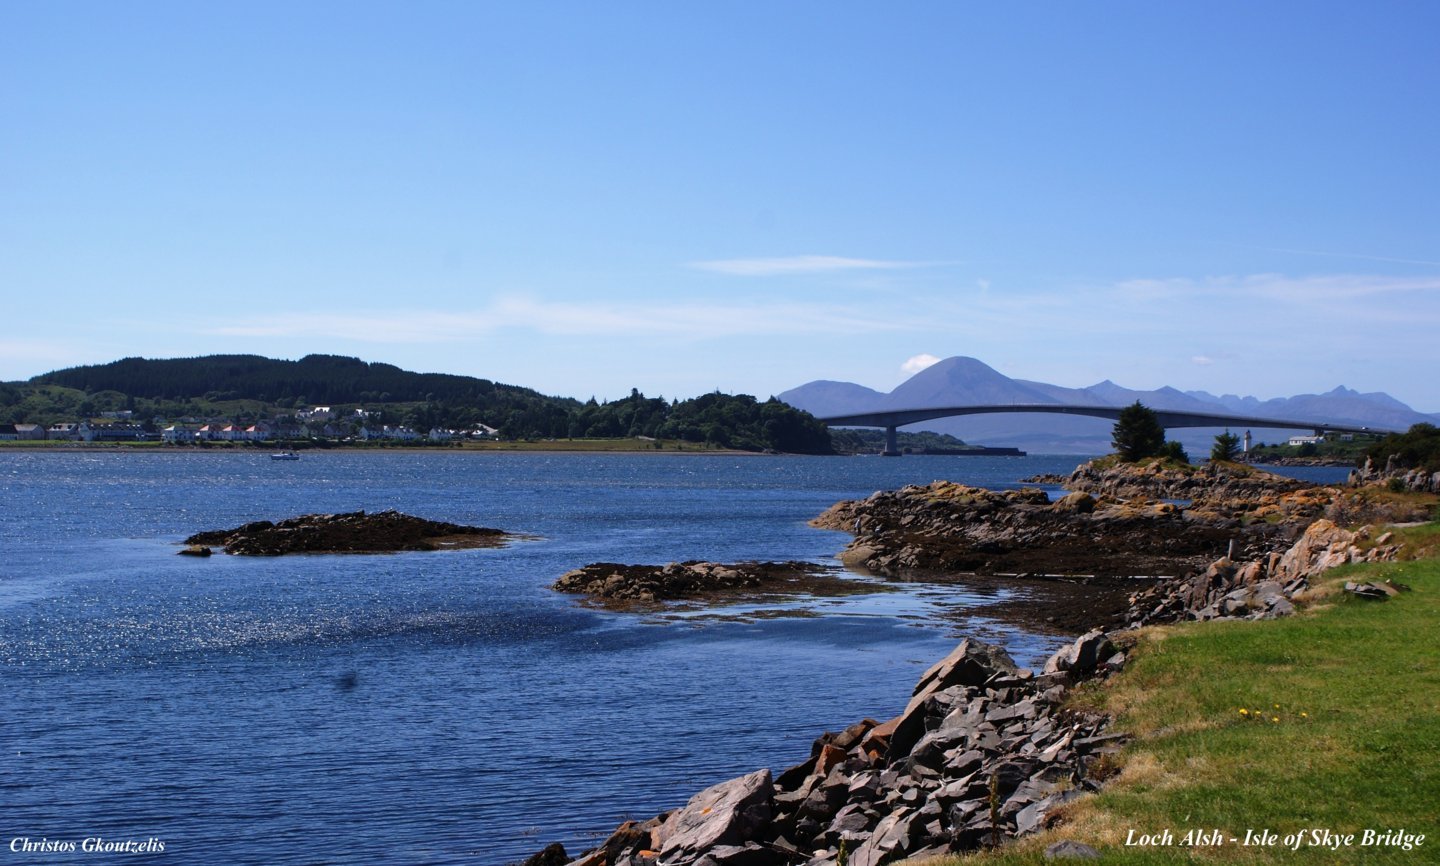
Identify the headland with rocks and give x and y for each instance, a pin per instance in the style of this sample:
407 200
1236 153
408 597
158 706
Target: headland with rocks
985 751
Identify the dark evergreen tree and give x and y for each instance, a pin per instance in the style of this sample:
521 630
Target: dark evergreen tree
1226 448
1138 434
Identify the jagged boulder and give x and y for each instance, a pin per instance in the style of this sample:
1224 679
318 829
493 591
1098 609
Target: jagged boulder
1083 656
1323 546
730 813
972 663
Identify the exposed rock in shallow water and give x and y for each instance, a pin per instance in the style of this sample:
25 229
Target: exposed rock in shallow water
1155 479
948 527
616 585
355 532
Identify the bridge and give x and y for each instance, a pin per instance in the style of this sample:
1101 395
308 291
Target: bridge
893 418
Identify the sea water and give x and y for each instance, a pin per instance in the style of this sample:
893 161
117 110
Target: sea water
438 707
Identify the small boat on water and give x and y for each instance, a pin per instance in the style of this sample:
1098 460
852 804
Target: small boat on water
284 455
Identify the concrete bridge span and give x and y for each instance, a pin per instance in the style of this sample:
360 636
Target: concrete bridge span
890 419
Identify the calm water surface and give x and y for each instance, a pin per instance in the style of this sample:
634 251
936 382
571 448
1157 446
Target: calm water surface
424 708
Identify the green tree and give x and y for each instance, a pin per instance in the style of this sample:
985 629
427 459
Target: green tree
1226 447
1137 433
1419 447
1173 450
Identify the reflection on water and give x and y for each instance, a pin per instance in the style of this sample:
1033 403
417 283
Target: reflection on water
276 710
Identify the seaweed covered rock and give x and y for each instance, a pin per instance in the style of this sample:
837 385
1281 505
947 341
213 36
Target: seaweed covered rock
354 532
948 527
617 585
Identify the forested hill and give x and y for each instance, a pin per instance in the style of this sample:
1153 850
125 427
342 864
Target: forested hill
314 379
248 388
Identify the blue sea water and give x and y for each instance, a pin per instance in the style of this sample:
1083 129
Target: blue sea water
425 707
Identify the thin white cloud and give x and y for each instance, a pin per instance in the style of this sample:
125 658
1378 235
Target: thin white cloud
1277 287
788 265
918 363
571 318
1202 360
1358 256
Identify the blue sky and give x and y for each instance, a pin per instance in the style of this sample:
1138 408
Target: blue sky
589 197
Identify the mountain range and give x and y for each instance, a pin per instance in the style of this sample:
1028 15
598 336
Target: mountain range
962 381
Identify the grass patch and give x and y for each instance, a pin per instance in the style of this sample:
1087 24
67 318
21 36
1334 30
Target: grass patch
1341 732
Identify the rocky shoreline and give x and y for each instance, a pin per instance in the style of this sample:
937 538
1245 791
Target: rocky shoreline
354 532
985 751
1096 549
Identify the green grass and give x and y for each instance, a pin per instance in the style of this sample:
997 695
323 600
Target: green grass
1353 744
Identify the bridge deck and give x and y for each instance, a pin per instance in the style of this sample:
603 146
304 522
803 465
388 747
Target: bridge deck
892 418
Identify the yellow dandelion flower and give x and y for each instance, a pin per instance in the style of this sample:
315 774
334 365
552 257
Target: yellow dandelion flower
1244 712
1274 718
1277 706
1304 715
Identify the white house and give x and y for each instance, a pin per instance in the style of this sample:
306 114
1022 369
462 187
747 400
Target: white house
178 433
118 432
1306 440
404 434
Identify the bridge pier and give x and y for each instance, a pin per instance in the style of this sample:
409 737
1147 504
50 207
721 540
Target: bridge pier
892 447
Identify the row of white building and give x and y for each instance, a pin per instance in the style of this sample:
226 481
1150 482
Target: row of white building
123 431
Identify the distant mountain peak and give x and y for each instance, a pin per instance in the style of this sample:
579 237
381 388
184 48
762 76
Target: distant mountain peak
962 380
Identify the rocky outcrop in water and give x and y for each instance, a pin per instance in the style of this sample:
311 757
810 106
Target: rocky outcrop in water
949 527
355 532
616 585
981 754
1158 479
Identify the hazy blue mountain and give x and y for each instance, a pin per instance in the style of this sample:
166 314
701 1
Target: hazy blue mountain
1338 406
962 381
1111 394
838 398
1073 396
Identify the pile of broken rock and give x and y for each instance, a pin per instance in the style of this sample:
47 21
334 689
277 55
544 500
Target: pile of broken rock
981 754
1262 588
